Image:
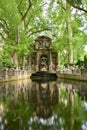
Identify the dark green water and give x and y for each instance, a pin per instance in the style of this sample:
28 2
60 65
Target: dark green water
56 105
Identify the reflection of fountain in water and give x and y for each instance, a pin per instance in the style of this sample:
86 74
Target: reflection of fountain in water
43 107
44 96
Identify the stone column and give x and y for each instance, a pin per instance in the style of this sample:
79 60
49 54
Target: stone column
58 61
29 66
37 62
51 62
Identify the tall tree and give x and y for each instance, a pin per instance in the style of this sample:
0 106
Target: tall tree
18 28
67 35
28 18
69 31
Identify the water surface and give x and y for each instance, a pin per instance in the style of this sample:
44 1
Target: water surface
54 105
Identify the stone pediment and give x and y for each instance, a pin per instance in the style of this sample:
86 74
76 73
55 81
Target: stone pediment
42 42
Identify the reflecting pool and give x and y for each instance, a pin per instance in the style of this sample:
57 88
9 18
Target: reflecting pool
52 105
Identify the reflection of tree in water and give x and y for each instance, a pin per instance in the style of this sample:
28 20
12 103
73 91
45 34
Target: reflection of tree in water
29 105
70 111
16 107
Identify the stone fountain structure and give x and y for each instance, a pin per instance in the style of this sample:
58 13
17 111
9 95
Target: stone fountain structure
43 58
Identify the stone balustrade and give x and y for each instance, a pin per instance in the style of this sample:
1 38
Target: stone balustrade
13 74
16 74
75 73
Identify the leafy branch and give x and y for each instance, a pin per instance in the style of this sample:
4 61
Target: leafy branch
37 31
2 36
77 7
25 15
60 3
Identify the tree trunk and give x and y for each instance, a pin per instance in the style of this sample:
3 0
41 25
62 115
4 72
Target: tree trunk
23 61
69 32
14 58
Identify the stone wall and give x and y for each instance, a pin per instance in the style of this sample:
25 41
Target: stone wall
13 74
73 74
